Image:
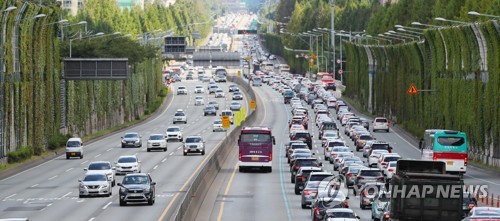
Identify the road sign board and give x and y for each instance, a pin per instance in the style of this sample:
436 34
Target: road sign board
313 56
311 63
248 58
338 61
341 71
253 104
412 90
226 123
239 73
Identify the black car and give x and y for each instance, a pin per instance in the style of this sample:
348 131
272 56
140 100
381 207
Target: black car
302 176
469 202
304 136
210 110
303 162
320 206
137 187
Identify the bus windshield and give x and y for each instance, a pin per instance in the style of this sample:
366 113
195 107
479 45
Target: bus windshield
450 144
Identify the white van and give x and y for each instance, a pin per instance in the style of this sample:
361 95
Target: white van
228 113
74 148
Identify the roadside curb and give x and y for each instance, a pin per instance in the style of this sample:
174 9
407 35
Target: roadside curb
61 151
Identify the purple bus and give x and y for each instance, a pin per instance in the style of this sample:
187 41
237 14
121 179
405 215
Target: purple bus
256 148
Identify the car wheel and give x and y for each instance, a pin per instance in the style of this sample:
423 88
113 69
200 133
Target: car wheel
149 150
123 203
213 130
113 183
331 161
165 149
241 169
167 140
362 206
110 192
174 122
80 196
203 152
304 206
140 145
205 115
67 157
151 201
81 156
357 149
326 158
297 191
387 130
288 160
185 154
292 179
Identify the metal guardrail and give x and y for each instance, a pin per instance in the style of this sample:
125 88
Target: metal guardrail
209 171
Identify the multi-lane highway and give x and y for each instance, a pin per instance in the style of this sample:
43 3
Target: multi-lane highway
50 191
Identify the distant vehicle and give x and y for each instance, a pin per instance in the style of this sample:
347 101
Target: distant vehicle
131 139
256 148
228 113
157 142
180 117
74 148
104 167
181 90
128 164
199 89
256 81
327 82
194 144
209 110
237 96
381 123
173 133
233 88
217 126
94 184
446 146
137 188
198 101
235 106
284 68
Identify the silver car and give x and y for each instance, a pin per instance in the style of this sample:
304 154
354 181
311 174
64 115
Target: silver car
194 144
235 106
132 140
157 142
219 93
94 184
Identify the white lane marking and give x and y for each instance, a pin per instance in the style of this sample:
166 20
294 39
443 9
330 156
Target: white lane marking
53 177
80 201
178 148
98 155
136 154
4 199
109 149
84 162
163 161
411 145
34 185
473 177
65 195
107 205
92 219
172 153
50 204
68 169
154 168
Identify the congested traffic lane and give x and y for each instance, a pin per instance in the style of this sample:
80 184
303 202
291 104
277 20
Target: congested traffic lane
50 191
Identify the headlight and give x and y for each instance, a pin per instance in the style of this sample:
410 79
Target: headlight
105 186
67 149
82 186
123 190
123 141
147 189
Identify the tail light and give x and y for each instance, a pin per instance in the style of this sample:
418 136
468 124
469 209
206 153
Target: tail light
349 175
307 192
296 167
471 206
346 204
373 156
240 156
465 161
387 216
337 160
384 163
434 158
381 179
334 155
360 178
270 156
316 210
300 177
390 170
388 123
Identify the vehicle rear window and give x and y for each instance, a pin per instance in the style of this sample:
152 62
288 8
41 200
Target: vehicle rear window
331 204
354 170
371 173
302 135
318 177
366 138
308 162
451 141
380 146
381 120
99 166
389 159
336 144
299 146
340 215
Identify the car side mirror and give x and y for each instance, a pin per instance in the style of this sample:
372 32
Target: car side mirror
79 180
139 161
119 184
320 164
274 140
153 183
346 197
357 217
85 169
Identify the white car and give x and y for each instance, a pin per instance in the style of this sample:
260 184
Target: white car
74 148
180 117
330 144
341 214
219 93
390 169
94 184
235 106
237 96
157 142
181 90
385 158
199 89
103 167
174 133
329 135
373 158
194 144
198 100
217 126
380 123
128 164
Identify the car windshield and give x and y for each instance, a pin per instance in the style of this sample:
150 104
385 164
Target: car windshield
391 158
179 114
73 144
135 180
173 129
302 150
340 215
99 166
193 139
380 146
199 86
252 138
131 136
156 137
235 103
95 177
127 160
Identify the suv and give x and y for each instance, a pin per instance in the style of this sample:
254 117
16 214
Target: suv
74 148
137 187
209 110
180 117
199 89
173 133
233 88
302 176
378 145
131 140
368 175
194 144
212 88
301 162
381 123
105 167
304 136
181 90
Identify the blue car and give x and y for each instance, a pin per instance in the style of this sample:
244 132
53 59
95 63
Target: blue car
379 202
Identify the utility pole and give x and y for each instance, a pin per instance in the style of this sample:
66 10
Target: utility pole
333 32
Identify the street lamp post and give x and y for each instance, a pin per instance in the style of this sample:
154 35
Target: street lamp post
71 40
410 28
480 14
332 29
453 21
405 35
69 25
399 36
425 25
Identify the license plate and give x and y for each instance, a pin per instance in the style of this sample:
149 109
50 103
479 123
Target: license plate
255 158
135 194
449 163
73 154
